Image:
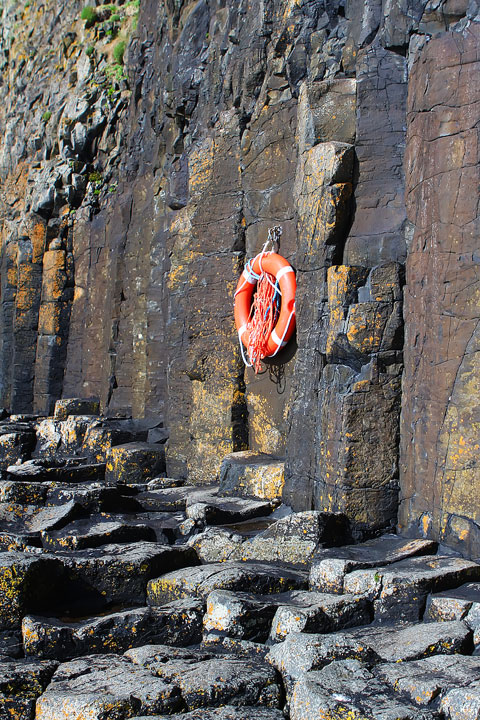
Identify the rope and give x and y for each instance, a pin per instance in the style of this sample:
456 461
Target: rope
263 317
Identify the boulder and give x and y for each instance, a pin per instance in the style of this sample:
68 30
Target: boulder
239 614
21 683
76 406
251 474
82 534
134 463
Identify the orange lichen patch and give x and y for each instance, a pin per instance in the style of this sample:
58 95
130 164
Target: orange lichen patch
54 275
38 236
49 318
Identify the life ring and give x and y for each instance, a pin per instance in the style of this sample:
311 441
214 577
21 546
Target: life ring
276 265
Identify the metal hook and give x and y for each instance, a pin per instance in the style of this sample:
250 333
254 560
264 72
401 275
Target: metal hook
274 235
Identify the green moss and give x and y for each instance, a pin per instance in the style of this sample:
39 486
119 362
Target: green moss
115 72
89 14
90 50
115 17
118 52
46 116
95 176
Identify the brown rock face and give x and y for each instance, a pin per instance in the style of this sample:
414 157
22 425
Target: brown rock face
440 422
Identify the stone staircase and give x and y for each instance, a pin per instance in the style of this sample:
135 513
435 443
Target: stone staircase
127 594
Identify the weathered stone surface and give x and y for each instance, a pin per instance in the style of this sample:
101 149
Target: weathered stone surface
105 685
425 681
15 447
211 681
134 463
218 511
454 604
57 438
76 406
179 623
228 712
439 439
81 534
462 703
28 584
247 473
312 612
347 688
200 581
44 471
21 683
119 573
239 614
330 566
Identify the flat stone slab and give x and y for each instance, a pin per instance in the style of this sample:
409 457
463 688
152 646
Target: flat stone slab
347 689
21 683
23 493
453 604
425 681
119 573
92 533
251 474
102 686
69 472
178 623
213 510
313 612
260 578
302 652
330 565
228 712
171 499
212 681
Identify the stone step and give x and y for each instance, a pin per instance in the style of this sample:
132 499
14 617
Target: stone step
134 462
178 623
330 565
251 474
94 532
69 471
261 578
227 712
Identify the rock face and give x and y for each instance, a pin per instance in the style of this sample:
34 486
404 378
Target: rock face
146 149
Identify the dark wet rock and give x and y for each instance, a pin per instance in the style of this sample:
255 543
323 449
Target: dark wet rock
251 474
216 511
11 646
314 612
21 683
28 583
134 463
82 534
260 578
72 471
228 712
425 681
120 573
170 498
15 447
234 646
330 566
92 497
239 615
23 493
348 688
76 406
212 681
100 684
178 623
62 438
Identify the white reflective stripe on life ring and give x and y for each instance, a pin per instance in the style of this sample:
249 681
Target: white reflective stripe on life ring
276 339
283 271
249 278
241 331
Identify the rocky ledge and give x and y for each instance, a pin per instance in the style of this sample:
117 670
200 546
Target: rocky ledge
128 594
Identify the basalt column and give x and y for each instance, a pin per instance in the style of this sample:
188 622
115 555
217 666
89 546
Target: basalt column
440 461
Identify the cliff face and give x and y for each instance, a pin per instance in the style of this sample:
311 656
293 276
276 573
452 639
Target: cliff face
133 193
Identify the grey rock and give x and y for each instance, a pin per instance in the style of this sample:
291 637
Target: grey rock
313 612
43 471
200 581
99 684
462 703
228 712
425 681
330 566
217 511
120 573
21 683
212 681
239 615
347 688
53 518
179 623
81 534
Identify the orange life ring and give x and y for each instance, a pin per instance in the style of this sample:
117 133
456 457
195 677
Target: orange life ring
285 275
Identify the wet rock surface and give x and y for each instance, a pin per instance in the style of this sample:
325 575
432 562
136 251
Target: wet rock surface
264 618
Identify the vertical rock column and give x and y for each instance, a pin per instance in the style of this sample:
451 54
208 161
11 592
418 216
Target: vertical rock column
440 446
